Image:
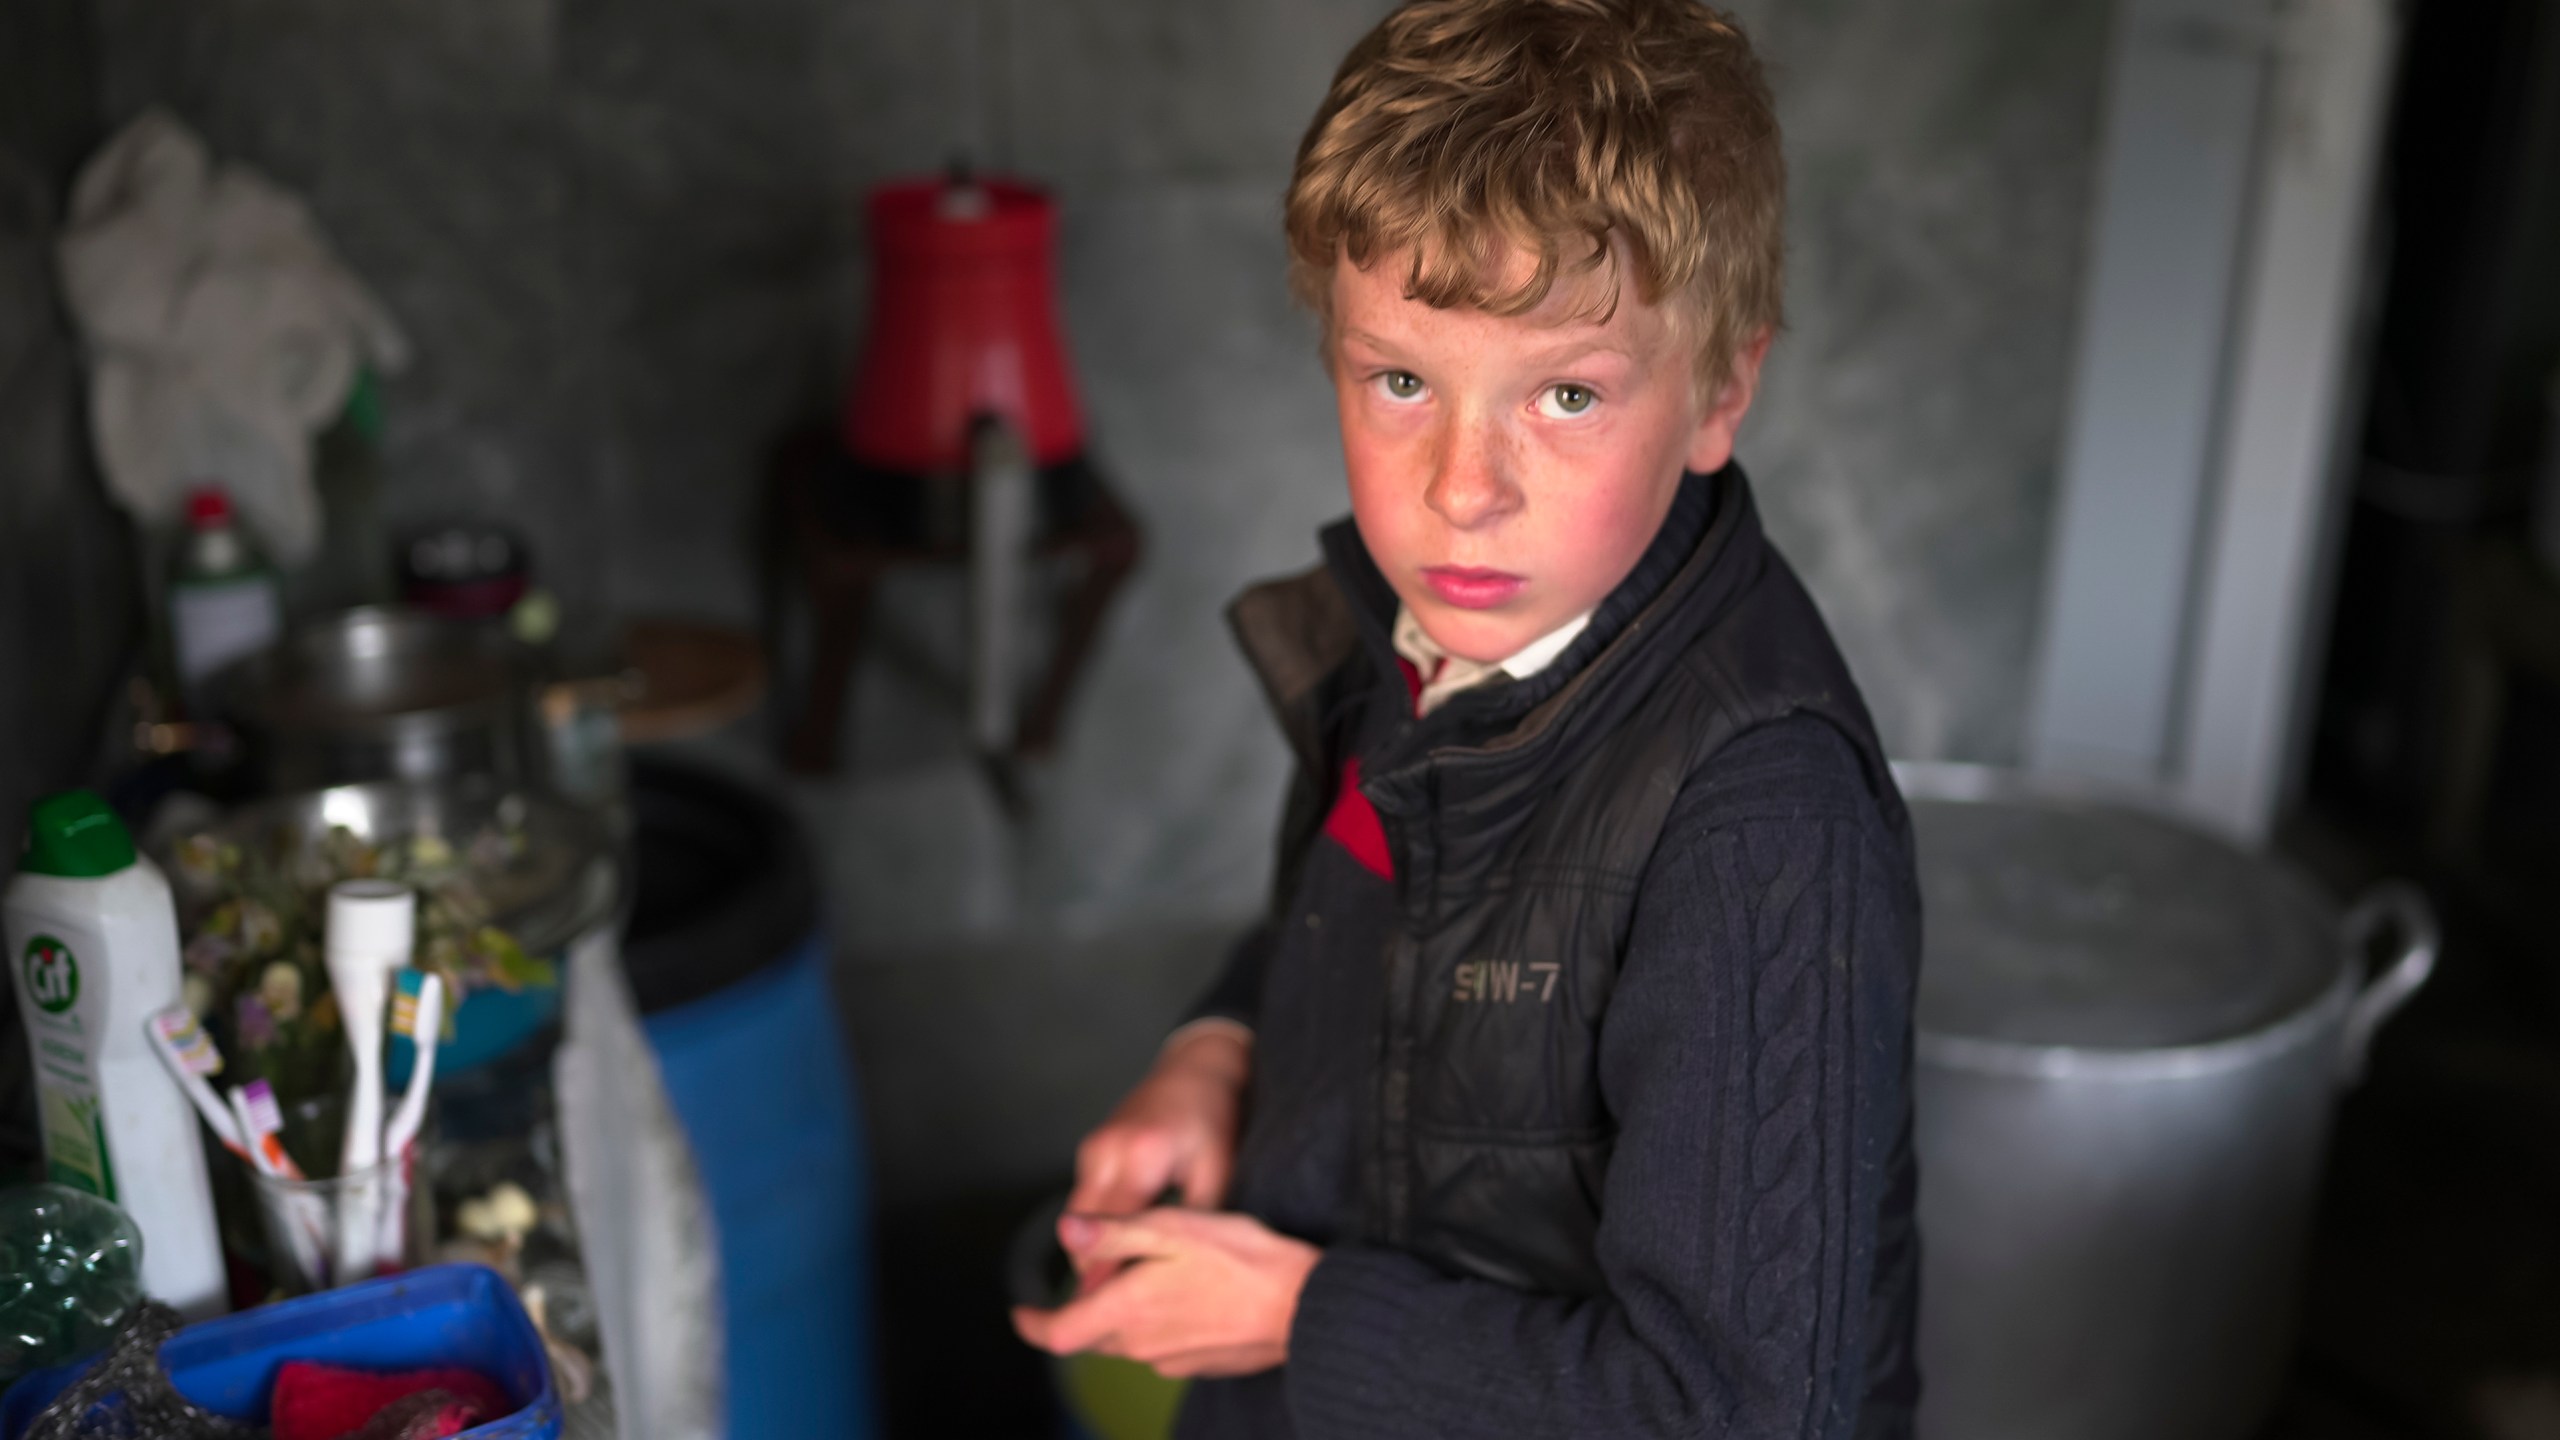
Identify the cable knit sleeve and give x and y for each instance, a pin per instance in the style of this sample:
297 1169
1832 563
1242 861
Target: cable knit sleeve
1755 1059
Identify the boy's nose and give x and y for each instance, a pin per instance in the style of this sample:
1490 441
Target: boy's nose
1469 486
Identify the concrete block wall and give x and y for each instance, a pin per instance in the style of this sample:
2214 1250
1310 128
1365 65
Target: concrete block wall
1942 163
67 601
67 606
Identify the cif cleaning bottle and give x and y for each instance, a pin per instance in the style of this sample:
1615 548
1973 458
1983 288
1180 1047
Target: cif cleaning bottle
93 951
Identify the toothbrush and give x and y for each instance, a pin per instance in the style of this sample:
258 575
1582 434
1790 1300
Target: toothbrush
372 927
261 1123
192 1059
305 1215
417 1011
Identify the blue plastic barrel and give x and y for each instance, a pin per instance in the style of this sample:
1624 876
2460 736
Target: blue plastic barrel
730 972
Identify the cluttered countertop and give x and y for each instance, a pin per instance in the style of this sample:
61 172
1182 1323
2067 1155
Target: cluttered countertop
239 1014
545 976
237 1043
400 962
420 1001
351 1068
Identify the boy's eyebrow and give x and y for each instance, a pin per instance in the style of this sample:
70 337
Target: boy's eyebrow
1583 349
1568 350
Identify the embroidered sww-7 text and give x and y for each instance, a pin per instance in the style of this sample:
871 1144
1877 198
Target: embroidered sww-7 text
1506 980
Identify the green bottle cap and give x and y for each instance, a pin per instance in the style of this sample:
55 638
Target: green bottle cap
75 834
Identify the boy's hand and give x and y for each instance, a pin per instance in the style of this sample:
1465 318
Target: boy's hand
1200 1294
1176 1129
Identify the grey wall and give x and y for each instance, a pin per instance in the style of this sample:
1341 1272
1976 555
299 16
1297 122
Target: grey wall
66 593
623 234
1942 157
66 606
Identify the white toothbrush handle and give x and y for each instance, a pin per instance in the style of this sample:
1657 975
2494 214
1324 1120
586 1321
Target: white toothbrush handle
358 1214
372 928
412 1113
224 1127
217 1116
363 1144
407 1120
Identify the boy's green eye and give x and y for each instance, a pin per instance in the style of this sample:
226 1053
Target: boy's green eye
1570 399
1403 384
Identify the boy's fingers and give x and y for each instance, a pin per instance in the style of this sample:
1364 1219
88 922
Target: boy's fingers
1205 1184
1092 1276
1095 1184
1056 1331
1098 1242
1086 1323
1147 1235
1216 1361
1117 1181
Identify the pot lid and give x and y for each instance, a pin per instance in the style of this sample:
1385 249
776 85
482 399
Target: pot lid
2058 922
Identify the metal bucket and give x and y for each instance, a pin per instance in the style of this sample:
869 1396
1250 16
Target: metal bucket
2132 1037
383 694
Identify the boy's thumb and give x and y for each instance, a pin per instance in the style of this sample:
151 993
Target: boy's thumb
1076 1233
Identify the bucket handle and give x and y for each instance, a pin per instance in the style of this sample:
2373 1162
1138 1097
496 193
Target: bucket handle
2401 908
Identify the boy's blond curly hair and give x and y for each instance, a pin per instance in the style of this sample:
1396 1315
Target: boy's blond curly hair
1573 130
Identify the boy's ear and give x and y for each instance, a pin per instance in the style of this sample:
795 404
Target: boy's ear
1711 444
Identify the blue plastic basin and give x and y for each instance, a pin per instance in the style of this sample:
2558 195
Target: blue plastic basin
448 1315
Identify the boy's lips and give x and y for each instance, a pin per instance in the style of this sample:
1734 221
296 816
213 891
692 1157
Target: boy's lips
1470 588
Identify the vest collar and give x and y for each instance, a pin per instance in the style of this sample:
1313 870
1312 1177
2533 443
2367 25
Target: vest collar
1484 711
1680 585
1300 634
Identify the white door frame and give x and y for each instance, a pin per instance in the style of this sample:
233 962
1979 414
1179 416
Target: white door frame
2204 460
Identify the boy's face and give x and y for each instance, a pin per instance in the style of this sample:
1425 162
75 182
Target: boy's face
1508 472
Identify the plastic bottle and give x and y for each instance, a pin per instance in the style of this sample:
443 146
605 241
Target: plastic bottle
93 949
353 564
223 601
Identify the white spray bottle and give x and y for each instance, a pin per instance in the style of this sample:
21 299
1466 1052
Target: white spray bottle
93 951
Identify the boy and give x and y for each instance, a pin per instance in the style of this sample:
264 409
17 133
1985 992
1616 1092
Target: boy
1565 1089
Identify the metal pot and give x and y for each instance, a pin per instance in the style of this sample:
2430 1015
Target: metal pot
384 694
2132 1037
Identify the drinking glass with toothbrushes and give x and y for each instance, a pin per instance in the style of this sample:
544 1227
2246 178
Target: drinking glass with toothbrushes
354 1219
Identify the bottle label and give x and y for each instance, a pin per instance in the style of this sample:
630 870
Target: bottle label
51 975
75 1137
75 1144
213 625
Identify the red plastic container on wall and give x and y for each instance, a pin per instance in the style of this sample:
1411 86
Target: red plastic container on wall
964 322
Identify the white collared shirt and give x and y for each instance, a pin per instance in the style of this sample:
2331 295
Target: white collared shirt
1444 674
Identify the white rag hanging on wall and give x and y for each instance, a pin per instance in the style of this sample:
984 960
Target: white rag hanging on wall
222 331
